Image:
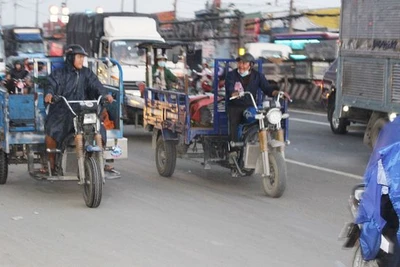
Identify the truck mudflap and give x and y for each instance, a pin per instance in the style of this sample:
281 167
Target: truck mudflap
116 148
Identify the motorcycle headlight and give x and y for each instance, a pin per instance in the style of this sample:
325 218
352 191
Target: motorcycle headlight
274 116
90 118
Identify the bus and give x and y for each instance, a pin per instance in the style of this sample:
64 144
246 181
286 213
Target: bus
312 54
318 46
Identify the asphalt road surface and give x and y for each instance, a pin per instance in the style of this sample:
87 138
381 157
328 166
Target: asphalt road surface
195 218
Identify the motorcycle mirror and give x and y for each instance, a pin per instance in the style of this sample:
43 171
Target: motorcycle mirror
108 62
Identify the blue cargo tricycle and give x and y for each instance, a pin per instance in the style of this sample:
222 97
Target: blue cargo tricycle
182 126
81 155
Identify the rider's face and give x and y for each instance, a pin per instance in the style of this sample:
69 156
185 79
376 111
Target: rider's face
243 66
78 61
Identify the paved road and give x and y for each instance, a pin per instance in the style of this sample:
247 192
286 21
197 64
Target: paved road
195 218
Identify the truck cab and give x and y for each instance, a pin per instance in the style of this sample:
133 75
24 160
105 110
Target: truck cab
24 42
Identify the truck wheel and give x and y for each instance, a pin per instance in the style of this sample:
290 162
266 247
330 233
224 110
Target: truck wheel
93 187
165 157
3 167
275 184
376 129
338 126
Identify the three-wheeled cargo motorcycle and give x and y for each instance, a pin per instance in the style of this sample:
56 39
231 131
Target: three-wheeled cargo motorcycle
184 127
81 155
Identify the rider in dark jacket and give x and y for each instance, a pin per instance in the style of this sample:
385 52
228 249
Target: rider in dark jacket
244 79
16 73
74 82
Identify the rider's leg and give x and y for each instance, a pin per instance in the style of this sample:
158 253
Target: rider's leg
51 144
235 114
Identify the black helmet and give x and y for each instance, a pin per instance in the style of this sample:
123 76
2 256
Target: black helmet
247 57
75 49
17 62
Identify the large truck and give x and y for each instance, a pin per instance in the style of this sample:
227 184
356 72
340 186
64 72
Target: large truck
117 36
23 42
368 74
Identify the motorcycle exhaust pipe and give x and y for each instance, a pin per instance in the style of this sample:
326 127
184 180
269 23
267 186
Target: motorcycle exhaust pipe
262 136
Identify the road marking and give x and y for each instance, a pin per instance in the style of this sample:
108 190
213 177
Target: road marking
309 121
324 169
307 112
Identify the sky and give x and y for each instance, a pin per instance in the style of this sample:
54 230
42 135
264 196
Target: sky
25 13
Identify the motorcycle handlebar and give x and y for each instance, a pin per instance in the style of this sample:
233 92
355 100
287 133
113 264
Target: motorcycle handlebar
241 94
58 98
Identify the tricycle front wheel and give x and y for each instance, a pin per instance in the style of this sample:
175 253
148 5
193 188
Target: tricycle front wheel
93 186
3 167
165 157
275 184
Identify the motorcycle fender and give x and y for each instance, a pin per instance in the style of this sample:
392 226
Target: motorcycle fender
259 169
275 143
154 138
351 233
168 135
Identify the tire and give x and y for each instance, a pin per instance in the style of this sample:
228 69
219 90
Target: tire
376 129
3 167
93 187
275 184
338 126
165 157
358 260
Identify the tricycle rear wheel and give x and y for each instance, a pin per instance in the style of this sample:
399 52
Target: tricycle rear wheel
3 167
93 186
275 184
165 157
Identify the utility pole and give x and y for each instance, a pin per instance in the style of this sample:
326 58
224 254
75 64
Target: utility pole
122 5
37 13
134 6
291 17
1 12
15 12
174 4
241 21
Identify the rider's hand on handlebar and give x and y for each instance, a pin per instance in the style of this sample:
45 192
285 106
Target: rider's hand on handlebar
48 98
285 95
109 98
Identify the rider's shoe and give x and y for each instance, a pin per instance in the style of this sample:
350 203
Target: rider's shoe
232 157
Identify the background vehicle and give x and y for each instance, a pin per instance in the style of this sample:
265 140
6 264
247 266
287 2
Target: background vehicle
368 68
23 42
107 35
328 84
313 52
